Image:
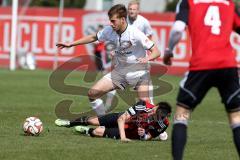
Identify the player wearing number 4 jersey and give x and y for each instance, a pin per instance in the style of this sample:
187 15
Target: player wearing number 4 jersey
213 64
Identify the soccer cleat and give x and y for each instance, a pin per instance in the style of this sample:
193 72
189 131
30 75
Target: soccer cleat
62 123
82 129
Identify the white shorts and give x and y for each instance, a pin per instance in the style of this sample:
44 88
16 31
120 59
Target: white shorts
133 79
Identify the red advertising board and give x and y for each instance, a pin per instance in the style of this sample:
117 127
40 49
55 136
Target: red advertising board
38 32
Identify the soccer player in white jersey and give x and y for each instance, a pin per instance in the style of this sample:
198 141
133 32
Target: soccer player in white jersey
130 53
138 21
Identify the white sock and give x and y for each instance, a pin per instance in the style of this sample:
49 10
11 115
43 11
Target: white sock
98 107
109 99
151 92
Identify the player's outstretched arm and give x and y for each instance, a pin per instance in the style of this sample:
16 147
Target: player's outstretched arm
121 122
84 40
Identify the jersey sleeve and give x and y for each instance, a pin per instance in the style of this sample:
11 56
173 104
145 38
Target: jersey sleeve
148 29
182 11
144 40
157 130
103 34
138 108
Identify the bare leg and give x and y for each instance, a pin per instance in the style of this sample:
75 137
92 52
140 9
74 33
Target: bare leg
93 121
85 121
100 88
234 117
143 92
99 131
179 132
103 86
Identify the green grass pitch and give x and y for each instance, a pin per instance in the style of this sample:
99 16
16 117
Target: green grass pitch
27 93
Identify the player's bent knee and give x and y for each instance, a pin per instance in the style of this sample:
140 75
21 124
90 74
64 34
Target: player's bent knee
99 131
234 117
93 94
182 115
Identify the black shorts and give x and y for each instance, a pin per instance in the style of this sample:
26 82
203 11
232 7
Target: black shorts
109 120
196 84
111 125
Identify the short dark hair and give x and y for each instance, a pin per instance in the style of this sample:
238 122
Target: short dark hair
164 109
118 9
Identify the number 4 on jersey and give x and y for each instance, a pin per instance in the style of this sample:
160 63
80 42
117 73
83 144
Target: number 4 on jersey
212 19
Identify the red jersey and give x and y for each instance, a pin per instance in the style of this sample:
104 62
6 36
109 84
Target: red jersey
140 118
154 128
210 23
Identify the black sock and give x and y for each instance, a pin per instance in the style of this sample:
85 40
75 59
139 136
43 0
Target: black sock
90 132
79 121
179 139
236 138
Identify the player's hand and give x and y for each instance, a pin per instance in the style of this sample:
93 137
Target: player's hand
141 131
63 45
167 58
112 54
142 60
125 140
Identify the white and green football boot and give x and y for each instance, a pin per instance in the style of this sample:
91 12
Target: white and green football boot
62 122
82 129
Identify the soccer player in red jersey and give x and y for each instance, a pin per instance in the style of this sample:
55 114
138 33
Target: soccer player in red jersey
213 64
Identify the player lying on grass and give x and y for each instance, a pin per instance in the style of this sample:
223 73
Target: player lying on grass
142 121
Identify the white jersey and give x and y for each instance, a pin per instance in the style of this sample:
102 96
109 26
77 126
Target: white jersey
128 46
142 24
